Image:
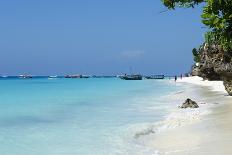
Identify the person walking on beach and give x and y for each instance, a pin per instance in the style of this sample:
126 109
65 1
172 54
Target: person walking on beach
175 78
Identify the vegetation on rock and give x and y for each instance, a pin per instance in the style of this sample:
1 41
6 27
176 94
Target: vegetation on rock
196 55
215 55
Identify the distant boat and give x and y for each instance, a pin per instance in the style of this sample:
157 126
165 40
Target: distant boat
73 76
4 76
85 76
131 77
119 76
25 76
155 77
77 76
53 77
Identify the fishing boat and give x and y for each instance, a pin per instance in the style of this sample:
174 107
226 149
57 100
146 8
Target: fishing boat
155 77
132 77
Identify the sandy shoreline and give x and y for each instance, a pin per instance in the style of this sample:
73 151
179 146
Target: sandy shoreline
203 131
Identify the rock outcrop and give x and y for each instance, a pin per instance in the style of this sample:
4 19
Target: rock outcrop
215 64
189 104
195 71
227 81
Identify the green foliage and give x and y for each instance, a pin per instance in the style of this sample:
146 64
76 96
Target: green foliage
196 55
216 15
172 4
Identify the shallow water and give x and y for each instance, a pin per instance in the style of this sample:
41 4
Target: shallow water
79 116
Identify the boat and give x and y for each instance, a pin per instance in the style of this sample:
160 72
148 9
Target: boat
119 76
25 76
53 77
73 76
85 76
77 76
155 77
132 77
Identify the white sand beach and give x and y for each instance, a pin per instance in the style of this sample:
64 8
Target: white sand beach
206 130
213 85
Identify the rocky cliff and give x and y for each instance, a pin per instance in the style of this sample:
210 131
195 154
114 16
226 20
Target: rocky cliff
215 64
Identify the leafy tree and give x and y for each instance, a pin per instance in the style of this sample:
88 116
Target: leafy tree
216 15
196 55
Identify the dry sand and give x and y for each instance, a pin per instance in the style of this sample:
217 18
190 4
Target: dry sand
203 131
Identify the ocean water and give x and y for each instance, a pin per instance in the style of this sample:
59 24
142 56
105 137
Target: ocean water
79 116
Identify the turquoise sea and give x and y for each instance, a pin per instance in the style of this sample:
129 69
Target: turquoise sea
78 116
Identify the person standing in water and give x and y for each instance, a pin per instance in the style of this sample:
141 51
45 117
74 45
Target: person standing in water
175 78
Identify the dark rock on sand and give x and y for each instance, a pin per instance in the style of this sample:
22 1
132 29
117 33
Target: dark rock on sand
189 104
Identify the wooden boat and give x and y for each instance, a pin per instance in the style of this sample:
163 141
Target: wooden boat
131 77
155 77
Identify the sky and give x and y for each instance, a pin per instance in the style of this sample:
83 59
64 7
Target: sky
103 37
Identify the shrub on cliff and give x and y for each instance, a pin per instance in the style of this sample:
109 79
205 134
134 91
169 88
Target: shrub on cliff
216 15
196 55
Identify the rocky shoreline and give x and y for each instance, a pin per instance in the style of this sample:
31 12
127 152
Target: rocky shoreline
214 64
